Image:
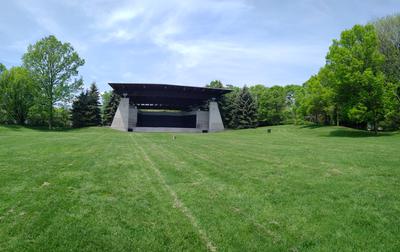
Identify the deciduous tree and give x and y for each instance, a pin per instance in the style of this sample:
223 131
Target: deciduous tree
215 84
53 65
17 91
356 63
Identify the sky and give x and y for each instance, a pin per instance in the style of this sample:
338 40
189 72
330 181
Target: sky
188 42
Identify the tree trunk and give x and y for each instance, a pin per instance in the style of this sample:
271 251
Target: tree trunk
50 121
375 122
337 117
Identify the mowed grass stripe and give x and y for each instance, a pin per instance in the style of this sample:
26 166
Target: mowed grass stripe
102 195
298 188
178 202
225 190
179 160
305 177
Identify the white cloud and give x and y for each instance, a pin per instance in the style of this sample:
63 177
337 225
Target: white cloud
122 15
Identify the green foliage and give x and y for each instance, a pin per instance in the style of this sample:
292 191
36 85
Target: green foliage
277 104
215 84
105 99
80 110
358 81
317 100
17 92
110 108
2 68
388 31
86 108
53 64
227 106
94 113
271 104
294 94
244 110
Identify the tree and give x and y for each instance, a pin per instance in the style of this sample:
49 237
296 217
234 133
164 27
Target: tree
215 84
111 108
53 64
17 90
293 98
388 31
93 114
355 61
105 99
80 110
317 100
227 106
2 68
245 110
271 102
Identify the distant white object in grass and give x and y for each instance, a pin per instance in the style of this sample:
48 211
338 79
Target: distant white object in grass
45 183
173 137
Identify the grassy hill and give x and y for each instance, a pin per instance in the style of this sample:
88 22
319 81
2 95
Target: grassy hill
298 188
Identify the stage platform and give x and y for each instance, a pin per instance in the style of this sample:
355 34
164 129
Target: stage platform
165 129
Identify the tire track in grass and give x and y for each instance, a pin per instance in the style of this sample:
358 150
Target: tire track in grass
177 202
246 217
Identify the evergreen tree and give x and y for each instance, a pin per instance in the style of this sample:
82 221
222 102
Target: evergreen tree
245 111
93 114
111 108
80 110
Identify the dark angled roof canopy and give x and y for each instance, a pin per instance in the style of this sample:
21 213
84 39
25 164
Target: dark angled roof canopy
166 96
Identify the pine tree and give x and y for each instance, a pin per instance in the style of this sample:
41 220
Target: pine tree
245 110
111 108
93 114
79 110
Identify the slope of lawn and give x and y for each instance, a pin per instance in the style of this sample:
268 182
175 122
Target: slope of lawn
295 189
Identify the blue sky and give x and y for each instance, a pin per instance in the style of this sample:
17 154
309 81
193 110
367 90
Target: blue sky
188 42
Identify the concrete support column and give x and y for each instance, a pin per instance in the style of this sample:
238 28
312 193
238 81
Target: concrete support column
121 117
133 113
202 120
215 121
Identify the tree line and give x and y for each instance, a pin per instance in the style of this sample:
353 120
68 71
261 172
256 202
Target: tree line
359 86
41 90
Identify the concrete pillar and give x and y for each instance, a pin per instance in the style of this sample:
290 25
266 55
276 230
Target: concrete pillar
202 120
121 117
215 121
133 112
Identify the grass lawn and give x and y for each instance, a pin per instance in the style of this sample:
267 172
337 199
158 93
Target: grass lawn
296 189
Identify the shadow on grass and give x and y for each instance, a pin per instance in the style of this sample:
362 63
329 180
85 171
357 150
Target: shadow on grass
312 126
39 128
347 132
357 133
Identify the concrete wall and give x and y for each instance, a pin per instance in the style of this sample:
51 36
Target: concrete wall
121 118
215 121
202 120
